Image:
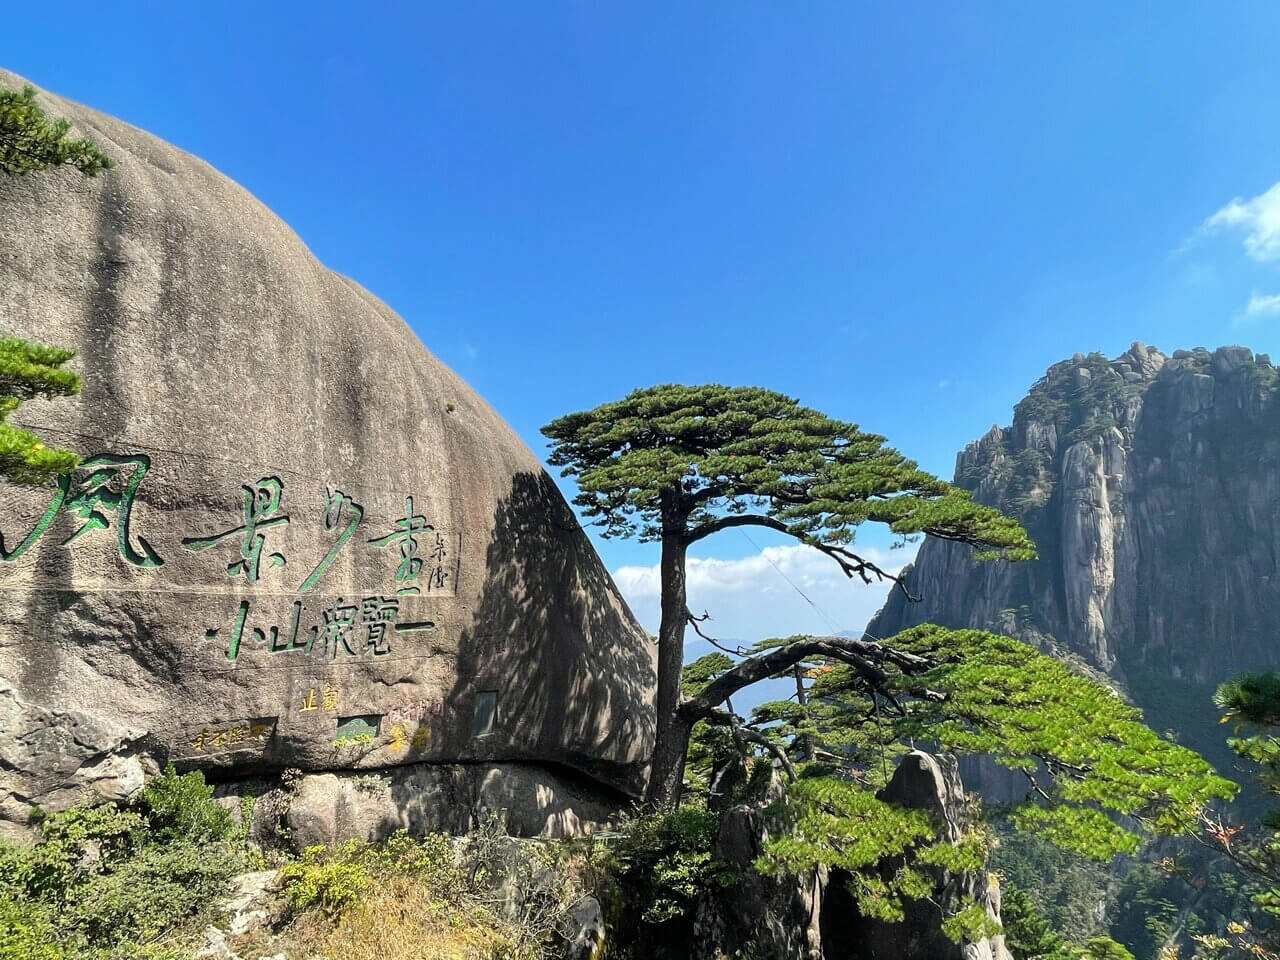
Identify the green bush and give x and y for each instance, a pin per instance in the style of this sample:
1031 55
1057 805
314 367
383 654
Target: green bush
100 882
26 931
664 863
138 951
141 896
431 859
332 879
328 880
182 807
72 845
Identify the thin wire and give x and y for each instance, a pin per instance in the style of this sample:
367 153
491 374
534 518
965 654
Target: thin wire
835 628
875 701
864 635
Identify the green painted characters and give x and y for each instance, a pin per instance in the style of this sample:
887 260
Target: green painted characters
101 489
261 504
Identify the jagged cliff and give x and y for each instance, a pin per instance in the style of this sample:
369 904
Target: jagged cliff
1151 485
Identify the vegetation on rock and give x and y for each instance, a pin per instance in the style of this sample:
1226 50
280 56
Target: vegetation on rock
114 882
30 141
1098 778
1251 703
29 370
147 879
677 464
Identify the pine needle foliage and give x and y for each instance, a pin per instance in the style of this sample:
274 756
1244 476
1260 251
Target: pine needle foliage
676 464
1251 702
1090 760
739 450
1029 936
1099 780
890 854
835 720
29 370
30 141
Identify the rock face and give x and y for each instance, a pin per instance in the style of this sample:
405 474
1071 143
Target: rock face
813 915
1151 486
527 800
922 782
761 916
297 540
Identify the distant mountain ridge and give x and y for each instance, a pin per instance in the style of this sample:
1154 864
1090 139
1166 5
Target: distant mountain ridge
1151 485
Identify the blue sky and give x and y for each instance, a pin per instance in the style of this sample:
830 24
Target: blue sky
900 213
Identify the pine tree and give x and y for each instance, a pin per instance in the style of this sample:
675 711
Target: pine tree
29 370
1098 779
1252 703
29 141
677 464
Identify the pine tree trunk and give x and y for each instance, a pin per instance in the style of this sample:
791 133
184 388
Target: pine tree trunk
804 746
666 774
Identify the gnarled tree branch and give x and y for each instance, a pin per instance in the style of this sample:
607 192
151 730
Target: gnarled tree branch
863 655
850 563
727 719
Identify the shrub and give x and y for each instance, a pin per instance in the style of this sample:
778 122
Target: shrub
26 931
100 881
664 863
432 860
146 894
326 880
332 879
72 845
182 807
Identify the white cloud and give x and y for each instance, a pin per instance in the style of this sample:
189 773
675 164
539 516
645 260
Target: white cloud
1266 305
750 598
1258 217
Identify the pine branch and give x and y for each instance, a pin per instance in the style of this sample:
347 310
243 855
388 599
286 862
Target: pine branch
850 563
862 655
731 720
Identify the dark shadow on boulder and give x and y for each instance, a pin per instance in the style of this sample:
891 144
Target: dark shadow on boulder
551 638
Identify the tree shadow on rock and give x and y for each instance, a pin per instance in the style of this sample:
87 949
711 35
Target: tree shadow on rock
554 668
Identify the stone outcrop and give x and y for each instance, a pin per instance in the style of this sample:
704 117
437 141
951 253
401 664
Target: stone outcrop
760 916
297 538
527 800
814 915
922 782
1151 485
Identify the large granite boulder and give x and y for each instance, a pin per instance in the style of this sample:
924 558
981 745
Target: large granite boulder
297 539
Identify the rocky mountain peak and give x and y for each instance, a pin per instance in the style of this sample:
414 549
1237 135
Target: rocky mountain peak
1151 485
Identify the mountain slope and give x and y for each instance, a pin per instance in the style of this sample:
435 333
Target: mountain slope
1151 485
